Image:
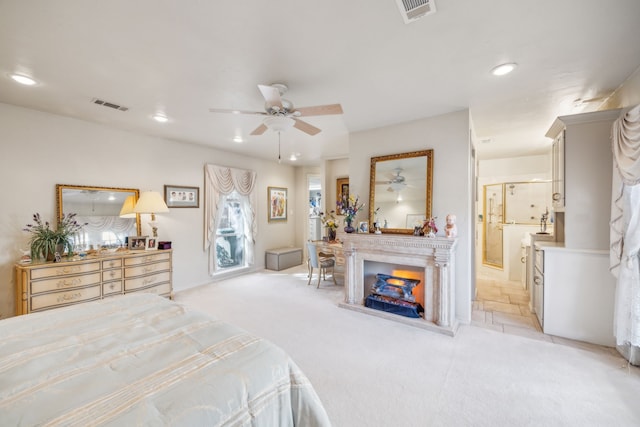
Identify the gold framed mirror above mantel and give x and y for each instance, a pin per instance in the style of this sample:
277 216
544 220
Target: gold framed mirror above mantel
400 189
102 209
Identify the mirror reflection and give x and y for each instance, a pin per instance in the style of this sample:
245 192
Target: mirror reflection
102 209
400 191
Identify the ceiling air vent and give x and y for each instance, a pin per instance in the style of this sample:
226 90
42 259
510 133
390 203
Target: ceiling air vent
109 104
415 9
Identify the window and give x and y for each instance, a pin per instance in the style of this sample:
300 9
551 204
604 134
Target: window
230 233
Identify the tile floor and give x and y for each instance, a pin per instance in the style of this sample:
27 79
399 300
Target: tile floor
504 306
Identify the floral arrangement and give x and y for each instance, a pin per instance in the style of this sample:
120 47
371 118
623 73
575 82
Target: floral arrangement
349 207
329 220
44 239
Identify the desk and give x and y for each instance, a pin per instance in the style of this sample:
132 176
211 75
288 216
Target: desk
336 250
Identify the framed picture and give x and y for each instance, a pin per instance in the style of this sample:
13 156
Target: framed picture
181 197
137 243
152 244
342 193
363 227
277 198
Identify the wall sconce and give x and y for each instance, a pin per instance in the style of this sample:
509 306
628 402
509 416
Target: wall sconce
151 202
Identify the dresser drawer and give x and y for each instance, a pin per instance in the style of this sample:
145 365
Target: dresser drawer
111 275
146 269
63 270
111 263
64 282
109 288
144 259
145 281
163 289
57 299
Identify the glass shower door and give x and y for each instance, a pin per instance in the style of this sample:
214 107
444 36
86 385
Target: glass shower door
492 251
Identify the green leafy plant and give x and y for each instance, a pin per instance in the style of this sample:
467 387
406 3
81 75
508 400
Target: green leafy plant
44 239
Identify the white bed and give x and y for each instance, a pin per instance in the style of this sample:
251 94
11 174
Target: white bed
141 359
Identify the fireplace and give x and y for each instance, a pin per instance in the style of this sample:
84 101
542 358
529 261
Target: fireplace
428 260
394 294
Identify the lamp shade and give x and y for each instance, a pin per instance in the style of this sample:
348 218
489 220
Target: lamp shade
127 207
150 202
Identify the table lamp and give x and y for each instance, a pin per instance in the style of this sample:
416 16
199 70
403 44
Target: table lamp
151 202
127 207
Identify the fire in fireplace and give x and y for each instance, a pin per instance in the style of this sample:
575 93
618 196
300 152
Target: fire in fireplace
393 294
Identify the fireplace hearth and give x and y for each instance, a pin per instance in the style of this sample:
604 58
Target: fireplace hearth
432 258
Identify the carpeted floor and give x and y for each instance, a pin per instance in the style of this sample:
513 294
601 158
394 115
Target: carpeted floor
374 372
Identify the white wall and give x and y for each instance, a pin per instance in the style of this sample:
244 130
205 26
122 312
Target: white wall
40 150
448 136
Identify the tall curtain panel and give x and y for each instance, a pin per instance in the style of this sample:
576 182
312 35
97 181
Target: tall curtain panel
219 182
625 231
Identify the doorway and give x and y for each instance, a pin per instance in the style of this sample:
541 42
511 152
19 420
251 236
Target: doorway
314 193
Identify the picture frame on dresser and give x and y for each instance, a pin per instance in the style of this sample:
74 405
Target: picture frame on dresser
137 243
152 244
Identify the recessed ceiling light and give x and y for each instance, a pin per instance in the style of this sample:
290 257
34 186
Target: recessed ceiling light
503 69
160 118
237 139
23 80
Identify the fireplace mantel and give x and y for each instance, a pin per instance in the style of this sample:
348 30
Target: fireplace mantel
435 255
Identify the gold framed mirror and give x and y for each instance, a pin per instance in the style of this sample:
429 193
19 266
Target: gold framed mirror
400 191
102 209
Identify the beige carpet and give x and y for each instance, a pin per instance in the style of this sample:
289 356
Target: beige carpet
374 372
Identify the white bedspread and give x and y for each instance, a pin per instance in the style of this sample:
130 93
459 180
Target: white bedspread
144 360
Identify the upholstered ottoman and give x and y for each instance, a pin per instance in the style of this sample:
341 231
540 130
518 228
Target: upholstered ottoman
282 258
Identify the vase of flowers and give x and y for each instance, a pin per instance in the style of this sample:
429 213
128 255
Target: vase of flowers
349 207
45 242
331 224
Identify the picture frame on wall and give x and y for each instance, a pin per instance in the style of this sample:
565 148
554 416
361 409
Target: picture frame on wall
137 243
152 244
342 193
177 196
277 199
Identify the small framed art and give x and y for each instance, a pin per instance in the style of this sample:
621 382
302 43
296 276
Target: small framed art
363 227
152 244
137 243
342 194
181 197
277 198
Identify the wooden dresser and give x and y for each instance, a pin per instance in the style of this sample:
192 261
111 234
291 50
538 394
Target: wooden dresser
46 285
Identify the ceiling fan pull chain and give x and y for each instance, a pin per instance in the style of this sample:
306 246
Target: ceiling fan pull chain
278 147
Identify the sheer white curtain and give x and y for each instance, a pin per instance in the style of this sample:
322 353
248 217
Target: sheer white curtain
221 181
625 226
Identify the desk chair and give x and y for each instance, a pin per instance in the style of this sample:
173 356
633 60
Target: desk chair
321 261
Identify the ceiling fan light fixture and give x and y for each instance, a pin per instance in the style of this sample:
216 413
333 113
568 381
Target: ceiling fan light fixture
504 69
279 123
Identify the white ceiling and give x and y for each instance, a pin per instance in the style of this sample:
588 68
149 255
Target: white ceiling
184 57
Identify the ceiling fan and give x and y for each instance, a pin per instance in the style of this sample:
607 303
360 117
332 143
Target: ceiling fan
281 114
397 181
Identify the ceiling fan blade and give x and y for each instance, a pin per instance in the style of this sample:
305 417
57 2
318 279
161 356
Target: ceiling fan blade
271 95
223 110
320 110
306 127
259 130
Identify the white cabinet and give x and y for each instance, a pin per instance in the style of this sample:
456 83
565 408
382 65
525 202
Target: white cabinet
315 228
577 293
557 172
582 169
